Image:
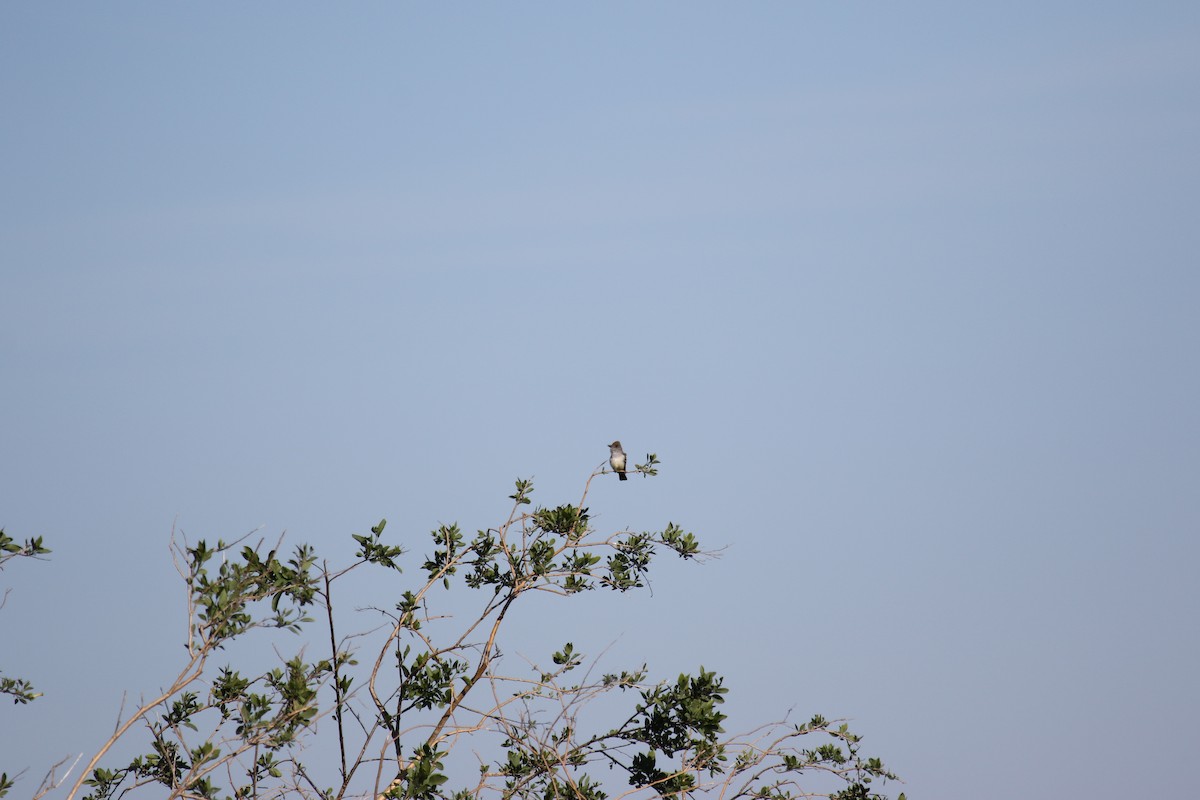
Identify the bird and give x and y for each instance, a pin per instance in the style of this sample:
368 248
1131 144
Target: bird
616 459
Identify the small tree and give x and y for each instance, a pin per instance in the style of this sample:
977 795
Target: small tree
421 707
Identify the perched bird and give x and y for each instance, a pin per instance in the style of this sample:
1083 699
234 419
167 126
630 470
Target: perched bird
616 458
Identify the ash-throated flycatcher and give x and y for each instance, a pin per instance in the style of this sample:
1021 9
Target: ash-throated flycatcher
616 459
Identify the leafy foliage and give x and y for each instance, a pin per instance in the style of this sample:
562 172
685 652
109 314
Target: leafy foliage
19 689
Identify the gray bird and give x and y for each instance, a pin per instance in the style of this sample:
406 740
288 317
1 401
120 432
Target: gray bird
616 459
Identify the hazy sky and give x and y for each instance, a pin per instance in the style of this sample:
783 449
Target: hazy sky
906 297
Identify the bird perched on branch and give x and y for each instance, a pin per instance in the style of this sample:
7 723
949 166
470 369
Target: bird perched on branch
616 458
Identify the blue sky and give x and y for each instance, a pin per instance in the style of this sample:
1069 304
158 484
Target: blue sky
903 296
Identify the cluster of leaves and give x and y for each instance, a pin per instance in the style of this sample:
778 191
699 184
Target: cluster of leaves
231 593
672 744
19 689
429 682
